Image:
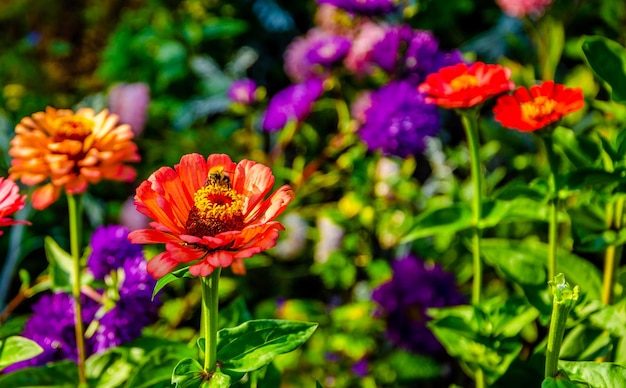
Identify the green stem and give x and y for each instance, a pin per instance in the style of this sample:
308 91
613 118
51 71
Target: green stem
75 215
553 222
470 123
210 300
479 378
564 299
613 253
555 338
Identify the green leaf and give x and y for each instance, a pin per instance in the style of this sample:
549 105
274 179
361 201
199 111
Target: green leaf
188 373
581 151
586 177
219 28
109 369
520 260
15 349
219 380
409 366
58 375
612 319
234 314
443 220
607 59
170 277
559 382
254 344
155 368
61 265
13 326
596 374
463 336
514 262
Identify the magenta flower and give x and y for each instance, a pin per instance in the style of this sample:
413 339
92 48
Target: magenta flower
242 92
292 103
364 7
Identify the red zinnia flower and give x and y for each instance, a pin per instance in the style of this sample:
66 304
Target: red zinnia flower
463 86
10 202
535 108
209 213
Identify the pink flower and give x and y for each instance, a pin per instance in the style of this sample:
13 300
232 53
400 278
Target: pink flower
521 8
10 202
358 59
130 103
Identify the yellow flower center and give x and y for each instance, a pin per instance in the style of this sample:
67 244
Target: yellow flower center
539 107
73 127
464 81
217 208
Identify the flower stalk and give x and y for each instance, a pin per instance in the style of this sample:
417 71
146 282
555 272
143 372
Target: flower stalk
75 218
553 221
615 212
210 301
564 299
470 124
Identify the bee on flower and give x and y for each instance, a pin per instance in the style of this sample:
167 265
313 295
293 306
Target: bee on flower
209 213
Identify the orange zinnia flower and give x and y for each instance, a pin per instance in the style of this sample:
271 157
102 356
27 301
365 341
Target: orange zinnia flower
209 213
10 202
71 149
532 109
463 86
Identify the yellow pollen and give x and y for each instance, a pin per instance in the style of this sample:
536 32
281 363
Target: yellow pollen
539 107
217 208
464 81
73 127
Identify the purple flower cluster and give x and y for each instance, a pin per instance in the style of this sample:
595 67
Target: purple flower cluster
364 7
123 318
411 54
292 103
403 301
398 120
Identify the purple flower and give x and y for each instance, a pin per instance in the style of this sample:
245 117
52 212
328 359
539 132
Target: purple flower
110 248
363 7
130 102
403 301
398 120
120 313
385 52
132 312
423 56
328 50
291 103
52 327
360 367
242 92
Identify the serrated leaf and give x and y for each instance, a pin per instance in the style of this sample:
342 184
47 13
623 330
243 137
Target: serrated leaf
254 344
15 349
